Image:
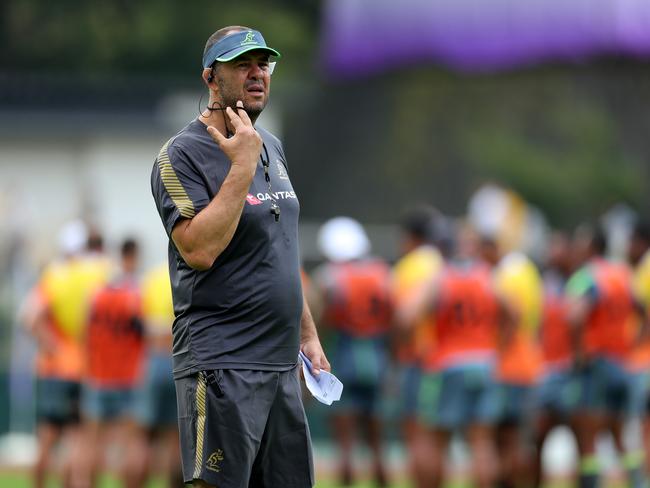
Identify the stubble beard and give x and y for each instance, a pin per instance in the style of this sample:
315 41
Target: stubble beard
229 99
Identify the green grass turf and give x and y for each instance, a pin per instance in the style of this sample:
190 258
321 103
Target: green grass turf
367 484
21 480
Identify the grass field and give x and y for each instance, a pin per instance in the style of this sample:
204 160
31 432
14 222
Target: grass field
21 480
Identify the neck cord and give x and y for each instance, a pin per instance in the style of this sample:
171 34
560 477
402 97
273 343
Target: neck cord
275 208
221 109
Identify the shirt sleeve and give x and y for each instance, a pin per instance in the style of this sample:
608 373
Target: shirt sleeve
582 284
177 186
276 144
283 156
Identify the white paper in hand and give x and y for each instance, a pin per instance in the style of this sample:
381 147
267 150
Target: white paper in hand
326 388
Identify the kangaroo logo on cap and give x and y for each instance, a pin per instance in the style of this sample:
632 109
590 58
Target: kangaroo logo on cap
249 39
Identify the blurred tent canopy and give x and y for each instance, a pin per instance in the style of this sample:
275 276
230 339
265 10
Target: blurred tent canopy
362 36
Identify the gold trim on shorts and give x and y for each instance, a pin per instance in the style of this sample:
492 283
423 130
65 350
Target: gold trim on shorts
201 391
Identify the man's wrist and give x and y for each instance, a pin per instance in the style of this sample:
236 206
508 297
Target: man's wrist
308 336
304 339
243 169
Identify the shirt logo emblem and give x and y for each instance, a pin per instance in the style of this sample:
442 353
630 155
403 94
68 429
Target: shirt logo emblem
249 39
282 172
253 200
213 461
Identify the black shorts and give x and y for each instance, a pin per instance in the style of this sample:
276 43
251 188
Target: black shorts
57 401
244 428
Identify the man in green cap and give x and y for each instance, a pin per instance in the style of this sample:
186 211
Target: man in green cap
222 189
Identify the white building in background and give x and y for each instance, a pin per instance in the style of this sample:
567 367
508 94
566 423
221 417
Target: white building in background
71 155
91 165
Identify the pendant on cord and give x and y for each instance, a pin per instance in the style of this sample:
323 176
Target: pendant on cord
275 210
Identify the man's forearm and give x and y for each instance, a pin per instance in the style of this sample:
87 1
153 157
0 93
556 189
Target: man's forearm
309 342
577 317
307 325
203 238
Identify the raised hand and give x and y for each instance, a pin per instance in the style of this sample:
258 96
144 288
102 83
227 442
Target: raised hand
244 147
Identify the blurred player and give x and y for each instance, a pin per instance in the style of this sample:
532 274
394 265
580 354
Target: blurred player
639 243
457 391
421 261
556 394
156 411
357 307
114 352
55 315
602 308
639 363
519 283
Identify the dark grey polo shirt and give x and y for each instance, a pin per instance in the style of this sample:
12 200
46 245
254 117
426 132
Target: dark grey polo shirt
244 312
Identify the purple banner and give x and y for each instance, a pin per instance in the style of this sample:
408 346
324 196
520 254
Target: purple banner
366 36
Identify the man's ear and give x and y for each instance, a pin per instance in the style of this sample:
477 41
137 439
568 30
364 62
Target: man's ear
208 76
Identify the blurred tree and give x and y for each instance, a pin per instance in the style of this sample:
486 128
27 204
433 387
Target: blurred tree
570 139
161 36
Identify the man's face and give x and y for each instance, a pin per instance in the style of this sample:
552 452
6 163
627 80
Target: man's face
246 78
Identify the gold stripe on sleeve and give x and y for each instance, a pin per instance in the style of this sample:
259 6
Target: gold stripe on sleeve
173 185
201 390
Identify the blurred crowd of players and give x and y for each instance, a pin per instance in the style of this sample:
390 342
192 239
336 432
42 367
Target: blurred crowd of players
489 346
105 398
484 344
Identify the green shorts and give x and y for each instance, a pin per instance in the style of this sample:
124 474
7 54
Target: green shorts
107 404
156 402
457 397
515 403
604 386
244 428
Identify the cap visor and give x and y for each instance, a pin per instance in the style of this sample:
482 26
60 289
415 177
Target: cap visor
239 52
